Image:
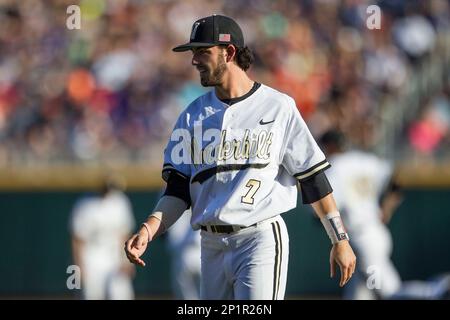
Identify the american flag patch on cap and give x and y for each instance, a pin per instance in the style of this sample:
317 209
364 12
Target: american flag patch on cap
224 37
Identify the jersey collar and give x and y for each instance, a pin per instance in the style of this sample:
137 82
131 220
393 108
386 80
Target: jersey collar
232 101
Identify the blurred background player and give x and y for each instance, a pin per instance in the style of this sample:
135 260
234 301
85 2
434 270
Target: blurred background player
99 225
358 179
184 248
366 191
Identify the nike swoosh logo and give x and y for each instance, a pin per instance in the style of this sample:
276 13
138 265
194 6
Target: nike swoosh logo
261 122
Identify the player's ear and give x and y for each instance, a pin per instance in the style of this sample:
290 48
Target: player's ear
230 53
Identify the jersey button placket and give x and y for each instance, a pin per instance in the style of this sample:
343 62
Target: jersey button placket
225 127
228 120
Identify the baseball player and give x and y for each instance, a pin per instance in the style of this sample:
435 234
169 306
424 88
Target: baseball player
361 180
235 157
99 225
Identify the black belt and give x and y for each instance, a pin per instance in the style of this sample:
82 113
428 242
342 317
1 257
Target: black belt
224 228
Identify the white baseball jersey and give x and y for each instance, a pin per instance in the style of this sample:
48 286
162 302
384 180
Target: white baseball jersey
102 224
242 160
358 178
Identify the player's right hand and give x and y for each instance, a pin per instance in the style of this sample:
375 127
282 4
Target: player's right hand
136 246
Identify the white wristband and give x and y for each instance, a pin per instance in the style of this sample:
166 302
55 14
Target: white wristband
334 227
149 231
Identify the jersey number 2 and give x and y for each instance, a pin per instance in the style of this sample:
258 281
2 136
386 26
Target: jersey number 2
253 186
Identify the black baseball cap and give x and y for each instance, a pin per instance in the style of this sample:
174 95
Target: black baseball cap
211 31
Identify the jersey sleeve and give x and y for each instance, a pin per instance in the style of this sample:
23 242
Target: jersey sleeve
177 154
301 156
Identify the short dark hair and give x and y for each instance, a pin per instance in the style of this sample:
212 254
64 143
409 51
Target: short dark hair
244 57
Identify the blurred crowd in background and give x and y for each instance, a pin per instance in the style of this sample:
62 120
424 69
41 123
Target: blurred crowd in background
113 90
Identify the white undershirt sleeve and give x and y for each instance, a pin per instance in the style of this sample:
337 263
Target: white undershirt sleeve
168 210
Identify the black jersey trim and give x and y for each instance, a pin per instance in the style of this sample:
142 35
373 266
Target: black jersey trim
167 168
208 173
232 101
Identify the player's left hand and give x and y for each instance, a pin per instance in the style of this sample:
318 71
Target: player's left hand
342 254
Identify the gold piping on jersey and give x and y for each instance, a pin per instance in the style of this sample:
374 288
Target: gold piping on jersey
320 166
